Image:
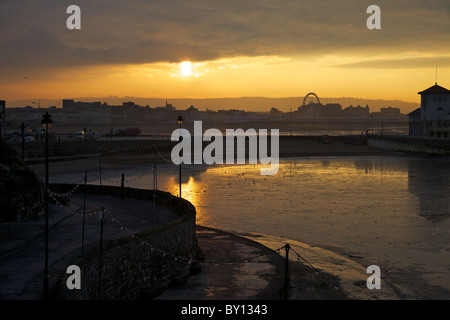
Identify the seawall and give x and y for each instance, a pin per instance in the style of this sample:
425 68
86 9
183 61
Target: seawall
408 145
139 266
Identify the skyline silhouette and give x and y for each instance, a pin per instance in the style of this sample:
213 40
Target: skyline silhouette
250 104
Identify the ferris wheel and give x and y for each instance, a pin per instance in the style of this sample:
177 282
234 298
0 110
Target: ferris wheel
312 111
311 94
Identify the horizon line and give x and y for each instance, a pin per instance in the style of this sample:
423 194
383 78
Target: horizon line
206 98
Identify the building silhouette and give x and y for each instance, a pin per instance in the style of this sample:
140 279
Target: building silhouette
432 119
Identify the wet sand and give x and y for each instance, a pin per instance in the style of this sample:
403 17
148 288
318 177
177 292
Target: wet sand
289 147
304 283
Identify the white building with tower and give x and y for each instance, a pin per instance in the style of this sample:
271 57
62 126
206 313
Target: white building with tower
432 119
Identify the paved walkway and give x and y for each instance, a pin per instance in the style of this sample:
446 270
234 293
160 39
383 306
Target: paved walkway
234 268
22 252
22 244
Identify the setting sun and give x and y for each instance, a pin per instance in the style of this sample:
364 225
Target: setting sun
186 68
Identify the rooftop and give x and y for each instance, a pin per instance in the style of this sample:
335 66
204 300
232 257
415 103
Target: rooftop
415 114
435 89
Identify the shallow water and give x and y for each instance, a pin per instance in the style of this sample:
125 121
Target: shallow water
391 211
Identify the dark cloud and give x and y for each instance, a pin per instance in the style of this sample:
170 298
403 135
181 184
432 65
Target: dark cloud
424 62
141 31
40 49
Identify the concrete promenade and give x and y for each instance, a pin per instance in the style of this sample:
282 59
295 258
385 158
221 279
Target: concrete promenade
22 251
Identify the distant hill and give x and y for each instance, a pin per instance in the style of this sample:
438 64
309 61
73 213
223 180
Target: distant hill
242 103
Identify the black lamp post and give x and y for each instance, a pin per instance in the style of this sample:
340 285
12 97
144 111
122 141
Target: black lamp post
22 129
180 122
46 123
101 217
1 124
84 212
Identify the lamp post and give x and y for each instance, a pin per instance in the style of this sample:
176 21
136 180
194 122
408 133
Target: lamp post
22 129
38 103
46 123
101 217
84 212
100 163
1 126
180 122
154 182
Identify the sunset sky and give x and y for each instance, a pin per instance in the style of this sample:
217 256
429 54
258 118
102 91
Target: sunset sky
267 48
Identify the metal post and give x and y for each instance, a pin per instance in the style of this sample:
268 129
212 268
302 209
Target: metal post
46 273
84 212
179 139
101 218
1 124
179 200
180 121
122 186
46 121
286 272
180 180
100 164
22 128
154 181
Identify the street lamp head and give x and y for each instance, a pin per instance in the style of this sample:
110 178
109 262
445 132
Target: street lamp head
46 121
180 120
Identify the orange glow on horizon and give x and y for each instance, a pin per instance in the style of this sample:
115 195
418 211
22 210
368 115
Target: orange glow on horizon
264 76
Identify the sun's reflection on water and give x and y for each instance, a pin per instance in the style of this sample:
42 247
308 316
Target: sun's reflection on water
390 208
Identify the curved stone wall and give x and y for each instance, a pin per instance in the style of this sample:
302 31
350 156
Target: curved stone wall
131 270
